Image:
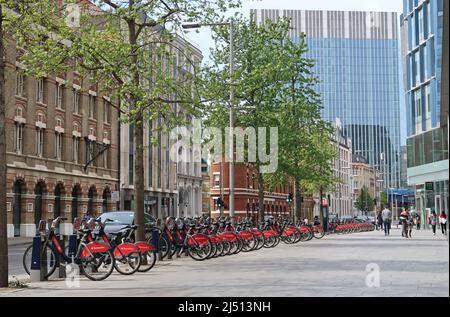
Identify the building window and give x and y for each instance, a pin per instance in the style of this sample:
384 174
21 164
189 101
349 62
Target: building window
105 158
40 90
39 141
20 84
216 180
76 101
91 106
19 138
76 149
427 106
60 96
421 25
105 111
418 109
58 145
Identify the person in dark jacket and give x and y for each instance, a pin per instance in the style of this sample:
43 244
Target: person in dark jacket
379 221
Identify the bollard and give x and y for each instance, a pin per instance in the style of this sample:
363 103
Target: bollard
155 242
73 244
36 274
61 260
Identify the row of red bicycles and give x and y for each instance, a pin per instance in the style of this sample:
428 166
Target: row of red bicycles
204 238
349 226
99 253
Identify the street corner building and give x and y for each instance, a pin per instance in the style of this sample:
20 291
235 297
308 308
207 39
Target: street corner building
62 143
246 194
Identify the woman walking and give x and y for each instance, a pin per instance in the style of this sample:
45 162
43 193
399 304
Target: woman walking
433 222
443 222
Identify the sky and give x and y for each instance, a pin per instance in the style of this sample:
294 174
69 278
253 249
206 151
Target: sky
203 39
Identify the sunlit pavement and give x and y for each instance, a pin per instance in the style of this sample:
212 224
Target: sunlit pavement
337 265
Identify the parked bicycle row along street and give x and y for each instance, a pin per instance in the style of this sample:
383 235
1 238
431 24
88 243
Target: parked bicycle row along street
97 251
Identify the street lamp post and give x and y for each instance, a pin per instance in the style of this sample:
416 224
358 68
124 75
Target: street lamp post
231 137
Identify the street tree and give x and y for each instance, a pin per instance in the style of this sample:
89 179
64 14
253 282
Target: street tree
127 48
364 202
305 150
257 81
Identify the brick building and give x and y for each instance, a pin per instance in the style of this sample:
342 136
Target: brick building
246 193
55 125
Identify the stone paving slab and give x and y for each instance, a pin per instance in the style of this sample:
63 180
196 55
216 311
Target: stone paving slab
333 267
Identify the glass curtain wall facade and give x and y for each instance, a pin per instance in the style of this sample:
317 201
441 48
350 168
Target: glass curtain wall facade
356 58
427 142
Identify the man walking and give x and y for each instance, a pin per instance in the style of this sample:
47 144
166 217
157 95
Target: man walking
386 214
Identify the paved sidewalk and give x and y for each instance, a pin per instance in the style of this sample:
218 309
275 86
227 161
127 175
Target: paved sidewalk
333 266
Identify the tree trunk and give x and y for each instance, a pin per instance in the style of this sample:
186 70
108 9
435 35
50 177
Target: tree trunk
3 218
138 137
261 196
298 200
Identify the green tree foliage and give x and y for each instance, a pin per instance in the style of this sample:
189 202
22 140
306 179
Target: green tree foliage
274 88
364 202
126 47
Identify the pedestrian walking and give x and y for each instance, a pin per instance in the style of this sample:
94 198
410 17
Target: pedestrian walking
443 222
433 222
417 222
379 221
406 223
386 214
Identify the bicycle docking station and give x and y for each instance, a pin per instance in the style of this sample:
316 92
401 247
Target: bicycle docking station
39 260
38 268
65 231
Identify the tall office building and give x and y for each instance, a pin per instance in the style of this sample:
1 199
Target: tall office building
422 26
357 62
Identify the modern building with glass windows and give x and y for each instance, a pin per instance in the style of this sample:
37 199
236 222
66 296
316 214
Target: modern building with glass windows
356 58
427 143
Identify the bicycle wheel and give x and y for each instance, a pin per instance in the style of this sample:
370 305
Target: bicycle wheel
319 233
226 246
148 261
52 259
240 244
127 264
213 250
261 241
198 249
96 266
249 244
163 246
219 249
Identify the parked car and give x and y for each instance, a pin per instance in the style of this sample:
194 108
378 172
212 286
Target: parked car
117 220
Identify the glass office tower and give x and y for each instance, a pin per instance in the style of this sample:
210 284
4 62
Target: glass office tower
357 58
427 143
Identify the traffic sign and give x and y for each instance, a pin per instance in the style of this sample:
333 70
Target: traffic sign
429 186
